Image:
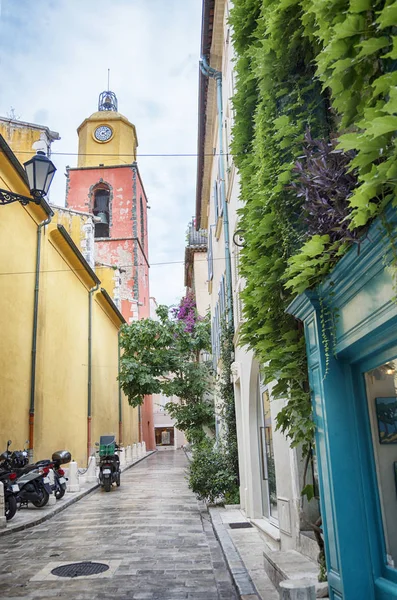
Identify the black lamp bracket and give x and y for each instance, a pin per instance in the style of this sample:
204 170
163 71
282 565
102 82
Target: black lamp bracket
7 197
238 238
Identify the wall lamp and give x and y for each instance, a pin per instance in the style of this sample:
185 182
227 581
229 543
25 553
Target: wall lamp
40 172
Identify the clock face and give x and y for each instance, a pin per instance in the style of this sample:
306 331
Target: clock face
103 133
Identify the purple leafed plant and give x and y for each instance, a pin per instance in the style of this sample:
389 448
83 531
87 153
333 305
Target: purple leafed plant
325 182
187 312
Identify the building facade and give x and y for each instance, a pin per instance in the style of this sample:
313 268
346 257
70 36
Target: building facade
355 410
270 471
59 351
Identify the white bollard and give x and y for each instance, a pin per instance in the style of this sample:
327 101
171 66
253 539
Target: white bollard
52 500
144 448
73 483
139 449
122 457
128 455
90 475
298 589
134 452
3 520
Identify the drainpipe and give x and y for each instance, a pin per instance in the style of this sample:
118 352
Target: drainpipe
89 386
34 335
120 405
217 75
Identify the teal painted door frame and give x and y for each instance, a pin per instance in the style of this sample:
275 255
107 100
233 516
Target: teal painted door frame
355 304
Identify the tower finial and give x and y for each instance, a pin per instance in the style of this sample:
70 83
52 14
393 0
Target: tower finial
107 100
108 79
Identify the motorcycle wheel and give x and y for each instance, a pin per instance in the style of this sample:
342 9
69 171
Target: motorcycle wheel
10 506
43 501
60 492
107 484
118 480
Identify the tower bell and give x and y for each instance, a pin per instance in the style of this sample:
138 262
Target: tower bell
107 101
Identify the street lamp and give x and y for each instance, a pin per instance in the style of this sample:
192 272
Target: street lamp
40 172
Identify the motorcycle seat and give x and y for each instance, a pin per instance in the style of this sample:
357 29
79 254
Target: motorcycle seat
26 469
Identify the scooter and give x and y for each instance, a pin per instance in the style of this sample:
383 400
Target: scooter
61 457
32 480
109 462
10 490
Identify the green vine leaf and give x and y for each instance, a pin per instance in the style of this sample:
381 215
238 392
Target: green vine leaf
371 46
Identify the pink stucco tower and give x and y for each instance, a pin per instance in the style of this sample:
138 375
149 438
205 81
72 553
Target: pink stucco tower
107 184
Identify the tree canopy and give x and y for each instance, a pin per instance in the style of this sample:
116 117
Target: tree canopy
161 357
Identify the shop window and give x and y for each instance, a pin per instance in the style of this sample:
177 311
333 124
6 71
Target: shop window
381 386
268 469
101 212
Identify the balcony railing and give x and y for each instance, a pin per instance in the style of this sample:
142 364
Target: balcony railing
196 238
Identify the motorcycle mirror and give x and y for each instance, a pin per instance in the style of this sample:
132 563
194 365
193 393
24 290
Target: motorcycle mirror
9 442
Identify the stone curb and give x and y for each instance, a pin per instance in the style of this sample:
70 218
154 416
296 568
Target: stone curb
238 571
66 503
241 578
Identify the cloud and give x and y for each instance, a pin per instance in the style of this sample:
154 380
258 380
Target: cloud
54 56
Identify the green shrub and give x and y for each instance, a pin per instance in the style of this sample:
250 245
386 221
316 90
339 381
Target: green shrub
210 476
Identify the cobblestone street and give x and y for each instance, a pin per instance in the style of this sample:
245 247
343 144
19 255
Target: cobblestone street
151 532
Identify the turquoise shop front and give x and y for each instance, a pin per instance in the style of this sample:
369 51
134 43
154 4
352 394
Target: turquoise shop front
350 326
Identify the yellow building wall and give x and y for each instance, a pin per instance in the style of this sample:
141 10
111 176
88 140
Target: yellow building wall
105 399
105 387
20 137
119 150
74 224
17 268
62 358
107 277
130 423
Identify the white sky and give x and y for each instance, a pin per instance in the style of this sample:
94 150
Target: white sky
54 56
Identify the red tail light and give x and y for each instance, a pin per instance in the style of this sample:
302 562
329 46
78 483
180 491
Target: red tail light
46 470
61 472
12 476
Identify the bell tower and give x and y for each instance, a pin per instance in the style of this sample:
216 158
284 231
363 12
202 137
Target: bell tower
107 184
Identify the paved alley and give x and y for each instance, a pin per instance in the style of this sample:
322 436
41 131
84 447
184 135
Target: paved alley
150 531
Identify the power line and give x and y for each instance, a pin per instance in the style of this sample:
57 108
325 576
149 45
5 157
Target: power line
175 262
176 155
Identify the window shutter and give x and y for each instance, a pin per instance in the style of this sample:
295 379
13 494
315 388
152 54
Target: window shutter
220 205
210 258
216 200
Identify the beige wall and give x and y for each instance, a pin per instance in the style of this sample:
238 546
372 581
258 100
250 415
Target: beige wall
200 270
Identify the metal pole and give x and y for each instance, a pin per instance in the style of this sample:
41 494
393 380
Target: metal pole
120 402
34 336
89 382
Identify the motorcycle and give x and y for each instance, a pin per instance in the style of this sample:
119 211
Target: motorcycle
61 457
109 462
33 480
10 489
